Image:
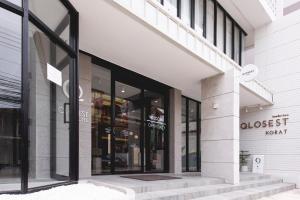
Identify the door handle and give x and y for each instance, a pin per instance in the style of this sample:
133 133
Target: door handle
65 113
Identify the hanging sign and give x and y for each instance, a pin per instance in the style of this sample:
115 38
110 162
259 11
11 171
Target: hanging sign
249 72
54 75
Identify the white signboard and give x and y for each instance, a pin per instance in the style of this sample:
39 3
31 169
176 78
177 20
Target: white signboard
258 164
54 75
248 73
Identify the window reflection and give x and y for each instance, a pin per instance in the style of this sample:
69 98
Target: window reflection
127 128
10 100
101 120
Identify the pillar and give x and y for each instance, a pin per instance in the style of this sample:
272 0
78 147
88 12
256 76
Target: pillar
220 127
175 131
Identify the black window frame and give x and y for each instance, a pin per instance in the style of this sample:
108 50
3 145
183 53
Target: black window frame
217 5
198 125
72 49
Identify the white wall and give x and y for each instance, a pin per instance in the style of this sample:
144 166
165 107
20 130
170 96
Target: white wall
277 54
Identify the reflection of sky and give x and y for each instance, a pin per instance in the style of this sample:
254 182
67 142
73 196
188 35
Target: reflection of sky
10 59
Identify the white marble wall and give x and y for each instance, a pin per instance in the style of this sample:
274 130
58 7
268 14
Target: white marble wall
277 54
175 131
220 127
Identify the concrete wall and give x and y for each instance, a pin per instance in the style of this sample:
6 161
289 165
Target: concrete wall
277 54
220 127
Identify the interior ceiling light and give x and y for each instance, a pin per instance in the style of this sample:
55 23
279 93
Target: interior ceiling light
246 109
123 90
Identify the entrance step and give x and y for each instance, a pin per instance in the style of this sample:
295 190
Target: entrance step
187 182
250 176
261 187
252 193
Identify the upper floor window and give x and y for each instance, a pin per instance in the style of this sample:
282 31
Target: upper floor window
209 19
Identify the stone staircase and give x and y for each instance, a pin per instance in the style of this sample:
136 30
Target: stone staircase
251 187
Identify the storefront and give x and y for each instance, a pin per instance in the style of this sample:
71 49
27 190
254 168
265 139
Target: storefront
38 108
129 117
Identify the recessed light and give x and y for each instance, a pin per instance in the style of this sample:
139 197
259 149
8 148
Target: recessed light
123 90
156 101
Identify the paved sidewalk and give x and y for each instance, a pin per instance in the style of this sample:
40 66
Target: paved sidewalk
291 195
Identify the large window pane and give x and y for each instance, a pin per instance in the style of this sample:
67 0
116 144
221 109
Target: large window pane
17 2
58 22
155 131
171 6
101 120
192 135
48 111
183 135
127 128
210 21
10 100
236 44
220 29
186 12
228 37
199 16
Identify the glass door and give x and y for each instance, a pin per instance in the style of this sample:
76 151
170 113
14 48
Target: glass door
155 130
127 128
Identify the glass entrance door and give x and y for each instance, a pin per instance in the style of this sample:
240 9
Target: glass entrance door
127 128
129 131
155 128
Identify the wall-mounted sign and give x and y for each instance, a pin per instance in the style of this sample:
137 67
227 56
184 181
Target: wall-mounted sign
276 125
248 73
156 122
54 75
66 90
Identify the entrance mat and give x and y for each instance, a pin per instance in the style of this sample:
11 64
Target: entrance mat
151 177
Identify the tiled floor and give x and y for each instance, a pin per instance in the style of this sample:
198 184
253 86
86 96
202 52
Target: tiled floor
290 195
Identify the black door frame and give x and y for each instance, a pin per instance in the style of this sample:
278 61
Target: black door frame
144 83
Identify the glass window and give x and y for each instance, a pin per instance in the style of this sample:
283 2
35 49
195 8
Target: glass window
183 135
101 121
48 111
155 131
193 132
220 29
236 44
10 100
186 12
58 22
199 16
190 134
210 21
171 6
127 128
228 37
17 2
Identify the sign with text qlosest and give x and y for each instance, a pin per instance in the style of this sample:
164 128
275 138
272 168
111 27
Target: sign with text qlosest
277 125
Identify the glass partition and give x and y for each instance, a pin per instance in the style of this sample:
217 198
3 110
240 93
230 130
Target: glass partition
10 100
191 158
48 110
58 22
101 120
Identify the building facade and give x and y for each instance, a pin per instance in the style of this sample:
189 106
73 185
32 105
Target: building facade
161 89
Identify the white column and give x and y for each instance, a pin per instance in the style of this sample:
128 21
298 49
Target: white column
175 131
220 127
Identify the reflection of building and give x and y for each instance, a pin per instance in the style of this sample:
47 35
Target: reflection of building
161 83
